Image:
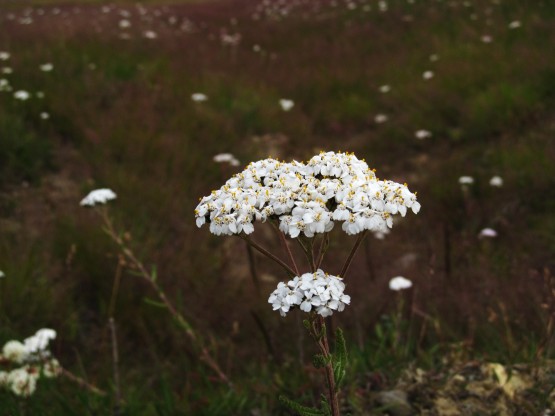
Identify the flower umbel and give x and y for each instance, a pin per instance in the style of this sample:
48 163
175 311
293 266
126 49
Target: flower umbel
306 198
317 291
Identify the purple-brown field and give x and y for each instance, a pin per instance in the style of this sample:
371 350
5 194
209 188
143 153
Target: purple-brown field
454 98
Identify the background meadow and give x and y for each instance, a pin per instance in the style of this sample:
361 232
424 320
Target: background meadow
425 91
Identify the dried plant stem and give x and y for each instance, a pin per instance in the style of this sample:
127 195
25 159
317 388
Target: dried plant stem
262 250
151 279
115 359
81 382
352 253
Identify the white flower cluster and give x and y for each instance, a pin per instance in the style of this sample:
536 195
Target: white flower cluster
34 358
306 197
318 291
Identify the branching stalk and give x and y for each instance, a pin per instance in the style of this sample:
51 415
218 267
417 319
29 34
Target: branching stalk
262 250
352 253
205 355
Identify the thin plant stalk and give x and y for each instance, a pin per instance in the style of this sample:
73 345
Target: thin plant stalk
349 260
288 250
262 250
319 334
205 355
82 382
115 360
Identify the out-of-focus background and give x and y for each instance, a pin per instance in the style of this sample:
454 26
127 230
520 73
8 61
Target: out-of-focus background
96 94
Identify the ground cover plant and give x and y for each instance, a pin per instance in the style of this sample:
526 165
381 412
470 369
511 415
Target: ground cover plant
163 102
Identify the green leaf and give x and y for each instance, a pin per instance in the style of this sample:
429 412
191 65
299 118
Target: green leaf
306 324
154 303
154 274
320 361
326 409
340 358
301 410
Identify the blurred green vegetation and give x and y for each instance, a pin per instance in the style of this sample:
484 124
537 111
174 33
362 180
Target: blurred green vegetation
121 116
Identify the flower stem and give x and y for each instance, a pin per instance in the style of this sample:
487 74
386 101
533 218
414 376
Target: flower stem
262 250
287 248
352 253
319 334
324 244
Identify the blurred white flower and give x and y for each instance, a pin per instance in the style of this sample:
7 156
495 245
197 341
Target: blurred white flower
427 75
496 181
380 118
286 104
5 85
22 95
44 115
422 134
487 233
22 381
399 283
4 56
124 24
384 89
434 57
199 97
15 351
40 94
230 40
256 48
47 67
486 39
466 180
149 34
7 70
2 274
226 158
515 24
98 196
38 343
51 368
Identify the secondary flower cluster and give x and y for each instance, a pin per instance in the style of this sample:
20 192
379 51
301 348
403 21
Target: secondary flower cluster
312 291
34 359
306 197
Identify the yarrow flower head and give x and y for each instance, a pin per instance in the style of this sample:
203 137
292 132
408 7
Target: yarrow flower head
317 291
98 196
306 198
34 359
